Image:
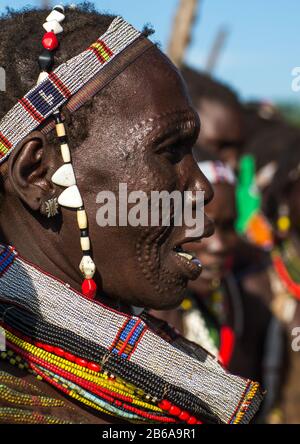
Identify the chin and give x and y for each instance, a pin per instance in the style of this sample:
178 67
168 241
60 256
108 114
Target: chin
169 299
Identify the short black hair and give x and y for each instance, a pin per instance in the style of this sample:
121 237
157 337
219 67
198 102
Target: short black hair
271 142
202 86
288 172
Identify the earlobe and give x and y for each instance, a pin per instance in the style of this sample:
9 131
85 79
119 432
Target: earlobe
29 170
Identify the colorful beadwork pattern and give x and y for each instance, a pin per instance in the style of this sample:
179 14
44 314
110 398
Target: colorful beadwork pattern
7 256
128 337
179 377
42 100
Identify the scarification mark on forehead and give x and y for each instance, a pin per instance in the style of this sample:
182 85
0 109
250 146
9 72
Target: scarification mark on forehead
186 120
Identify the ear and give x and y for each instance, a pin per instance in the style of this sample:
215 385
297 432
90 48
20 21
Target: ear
30 168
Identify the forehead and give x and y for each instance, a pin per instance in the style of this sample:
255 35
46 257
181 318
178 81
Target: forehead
151 87
220 119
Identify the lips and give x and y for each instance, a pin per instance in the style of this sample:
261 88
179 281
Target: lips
186 261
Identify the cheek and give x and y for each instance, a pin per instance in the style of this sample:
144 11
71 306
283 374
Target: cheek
151 172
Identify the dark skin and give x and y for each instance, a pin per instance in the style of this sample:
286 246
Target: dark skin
221 130
215 253
146 145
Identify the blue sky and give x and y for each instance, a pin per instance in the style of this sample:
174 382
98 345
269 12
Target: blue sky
262 47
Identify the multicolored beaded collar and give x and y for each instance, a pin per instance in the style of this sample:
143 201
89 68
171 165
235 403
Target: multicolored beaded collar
110 361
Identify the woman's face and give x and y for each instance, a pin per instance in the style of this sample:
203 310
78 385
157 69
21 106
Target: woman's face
215 253
142 131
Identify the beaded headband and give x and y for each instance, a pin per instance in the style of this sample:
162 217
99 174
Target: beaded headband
58 87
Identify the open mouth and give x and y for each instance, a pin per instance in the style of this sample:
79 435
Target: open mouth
188 262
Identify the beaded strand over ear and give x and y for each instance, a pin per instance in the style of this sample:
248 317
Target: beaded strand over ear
64 176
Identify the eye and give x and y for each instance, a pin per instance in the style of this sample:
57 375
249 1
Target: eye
174 153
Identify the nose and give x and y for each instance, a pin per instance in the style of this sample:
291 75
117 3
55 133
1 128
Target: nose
196 181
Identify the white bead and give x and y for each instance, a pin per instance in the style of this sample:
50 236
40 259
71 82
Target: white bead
55 15
64 176
53 26
85 243
43 75
87 267
65 152
70 198
82 219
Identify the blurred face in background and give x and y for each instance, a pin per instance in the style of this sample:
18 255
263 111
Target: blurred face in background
221 130
215 253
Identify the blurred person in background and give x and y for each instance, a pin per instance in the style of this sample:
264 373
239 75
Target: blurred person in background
282 206
219 313
221 116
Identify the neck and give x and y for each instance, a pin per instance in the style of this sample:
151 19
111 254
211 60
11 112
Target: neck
42 241
48 243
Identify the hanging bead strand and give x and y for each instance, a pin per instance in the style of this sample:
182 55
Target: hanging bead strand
50 41
71 198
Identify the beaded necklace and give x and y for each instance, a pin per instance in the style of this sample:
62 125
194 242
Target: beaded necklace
109 361
208 325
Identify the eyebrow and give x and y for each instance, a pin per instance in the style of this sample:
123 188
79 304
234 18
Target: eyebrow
185 127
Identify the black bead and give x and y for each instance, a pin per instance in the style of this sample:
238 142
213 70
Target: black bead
59 8
57 117
84 233
46 60
63 140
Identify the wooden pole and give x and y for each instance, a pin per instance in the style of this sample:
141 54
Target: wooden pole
182 29
46 4
216 50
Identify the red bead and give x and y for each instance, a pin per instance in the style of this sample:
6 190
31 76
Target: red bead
192 420
199 422
39 345
89 288
184 416
48 348
81 362
175 410
58 351
70 357
165 405
50 41
94 367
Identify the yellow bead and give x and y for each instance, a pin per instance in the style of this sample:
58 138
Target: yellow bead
82 219
85 243
284 223
60 129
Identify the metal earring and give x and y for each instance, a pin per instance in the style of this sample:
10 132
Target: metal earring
51 207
